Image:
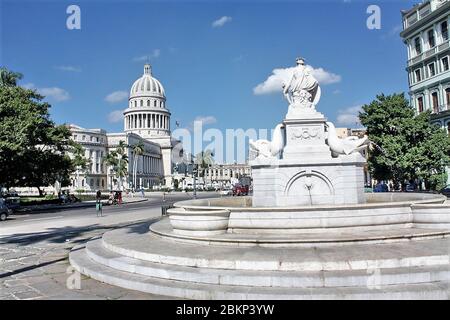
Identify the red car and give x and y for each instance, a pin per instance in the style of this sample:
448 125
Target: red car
240 190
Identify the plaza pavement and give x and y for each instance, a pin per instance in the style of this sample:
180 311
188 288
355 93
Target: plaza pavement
34 252
33 256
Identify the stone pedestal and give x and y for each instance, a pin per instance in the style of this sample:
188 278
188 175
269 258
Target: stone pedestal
307 174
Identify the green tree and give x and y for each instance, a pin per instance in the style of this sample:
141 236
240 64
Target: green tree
117 161
79 160
34 152
409 147
204 160
137 150
111 161
9 78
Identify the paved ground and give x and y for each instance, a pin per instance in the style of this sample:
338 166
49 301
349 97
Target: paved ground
34 250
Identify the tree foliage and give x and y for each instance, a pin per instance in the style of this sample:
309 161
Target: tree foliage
34 152
409 147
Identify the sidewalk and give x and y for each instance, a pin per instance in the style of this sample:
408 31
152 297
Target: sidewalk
85 204
67 225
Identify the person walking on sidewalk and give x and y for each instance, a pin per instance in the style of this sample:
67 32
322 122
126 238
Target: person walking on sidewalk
98 203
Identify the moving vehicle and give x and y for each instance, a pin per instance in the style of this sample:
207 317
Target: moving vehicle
240 190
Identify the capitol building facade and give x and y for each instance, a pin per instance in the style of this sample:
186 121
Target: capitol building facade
146 120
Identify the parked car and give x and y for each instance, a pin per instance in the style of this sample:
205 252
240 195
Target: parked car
446 191
4 210
12 201
381 187
411 187
240 190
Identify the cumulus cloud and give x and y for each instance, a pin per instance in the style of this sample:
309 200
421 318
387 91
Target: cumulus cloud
349 116
115 116
153 55
282 75
221 21
52 93
116 96
68 68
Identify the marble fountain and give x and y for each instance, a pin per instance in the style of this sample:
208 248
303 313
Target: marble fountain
308 231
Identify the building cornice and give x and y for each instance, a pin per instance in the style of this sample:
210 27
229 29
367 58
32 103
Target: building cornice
444 9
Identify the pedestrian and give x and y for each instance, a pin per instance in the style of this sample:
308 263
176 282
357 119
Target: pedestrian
98 204
142 192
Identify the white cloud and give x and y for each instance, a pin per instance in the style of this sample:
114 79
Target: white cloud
68 68
115 116
206 119
279 76
116 96
349 116
153 55
221 21
52 93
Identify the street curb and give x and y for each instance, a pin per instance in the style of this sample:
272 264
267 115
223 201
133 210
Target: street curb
81 205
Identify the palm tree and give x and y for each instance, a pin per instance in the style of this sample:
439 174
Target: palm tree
79 160
138 149
122 166
204 160
111 160
9 78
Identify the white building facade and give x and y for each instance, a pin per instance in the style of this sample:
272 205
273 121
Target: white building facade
146 120
426 35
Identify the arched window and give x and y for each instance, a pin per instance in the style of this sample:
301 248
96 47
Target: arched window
154 103
160 104
142 103
135 103
148 103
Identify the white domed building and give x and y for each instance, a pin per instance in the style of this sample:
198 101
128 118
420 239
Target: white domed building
146 120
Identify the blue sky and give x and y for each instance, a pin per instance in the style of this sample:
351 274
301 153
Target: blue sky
208 70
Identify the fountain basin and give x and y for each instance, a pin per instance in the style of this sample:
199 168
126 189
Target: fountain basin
199 222
382 211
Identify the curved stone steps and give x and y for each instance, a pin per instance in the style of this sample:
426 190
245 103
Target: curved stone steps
292 279
80 260
154 249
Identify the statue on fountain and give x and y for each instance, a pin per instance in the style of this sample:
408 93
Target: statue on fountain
303 90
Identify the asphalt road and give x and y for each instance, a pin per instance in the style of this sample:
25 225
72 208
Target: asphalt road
61 214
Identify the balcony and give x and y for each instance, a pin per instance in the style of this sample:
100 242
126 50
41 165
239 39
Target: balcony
427 54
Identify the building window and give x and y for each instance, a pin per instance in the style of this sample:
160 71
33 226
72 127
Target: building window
418 75
417 46
148 103
432 69
142 103
83 138
447 95
445 64
420 104
75 137
431 41
135 103
154 103
444 30
435 100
